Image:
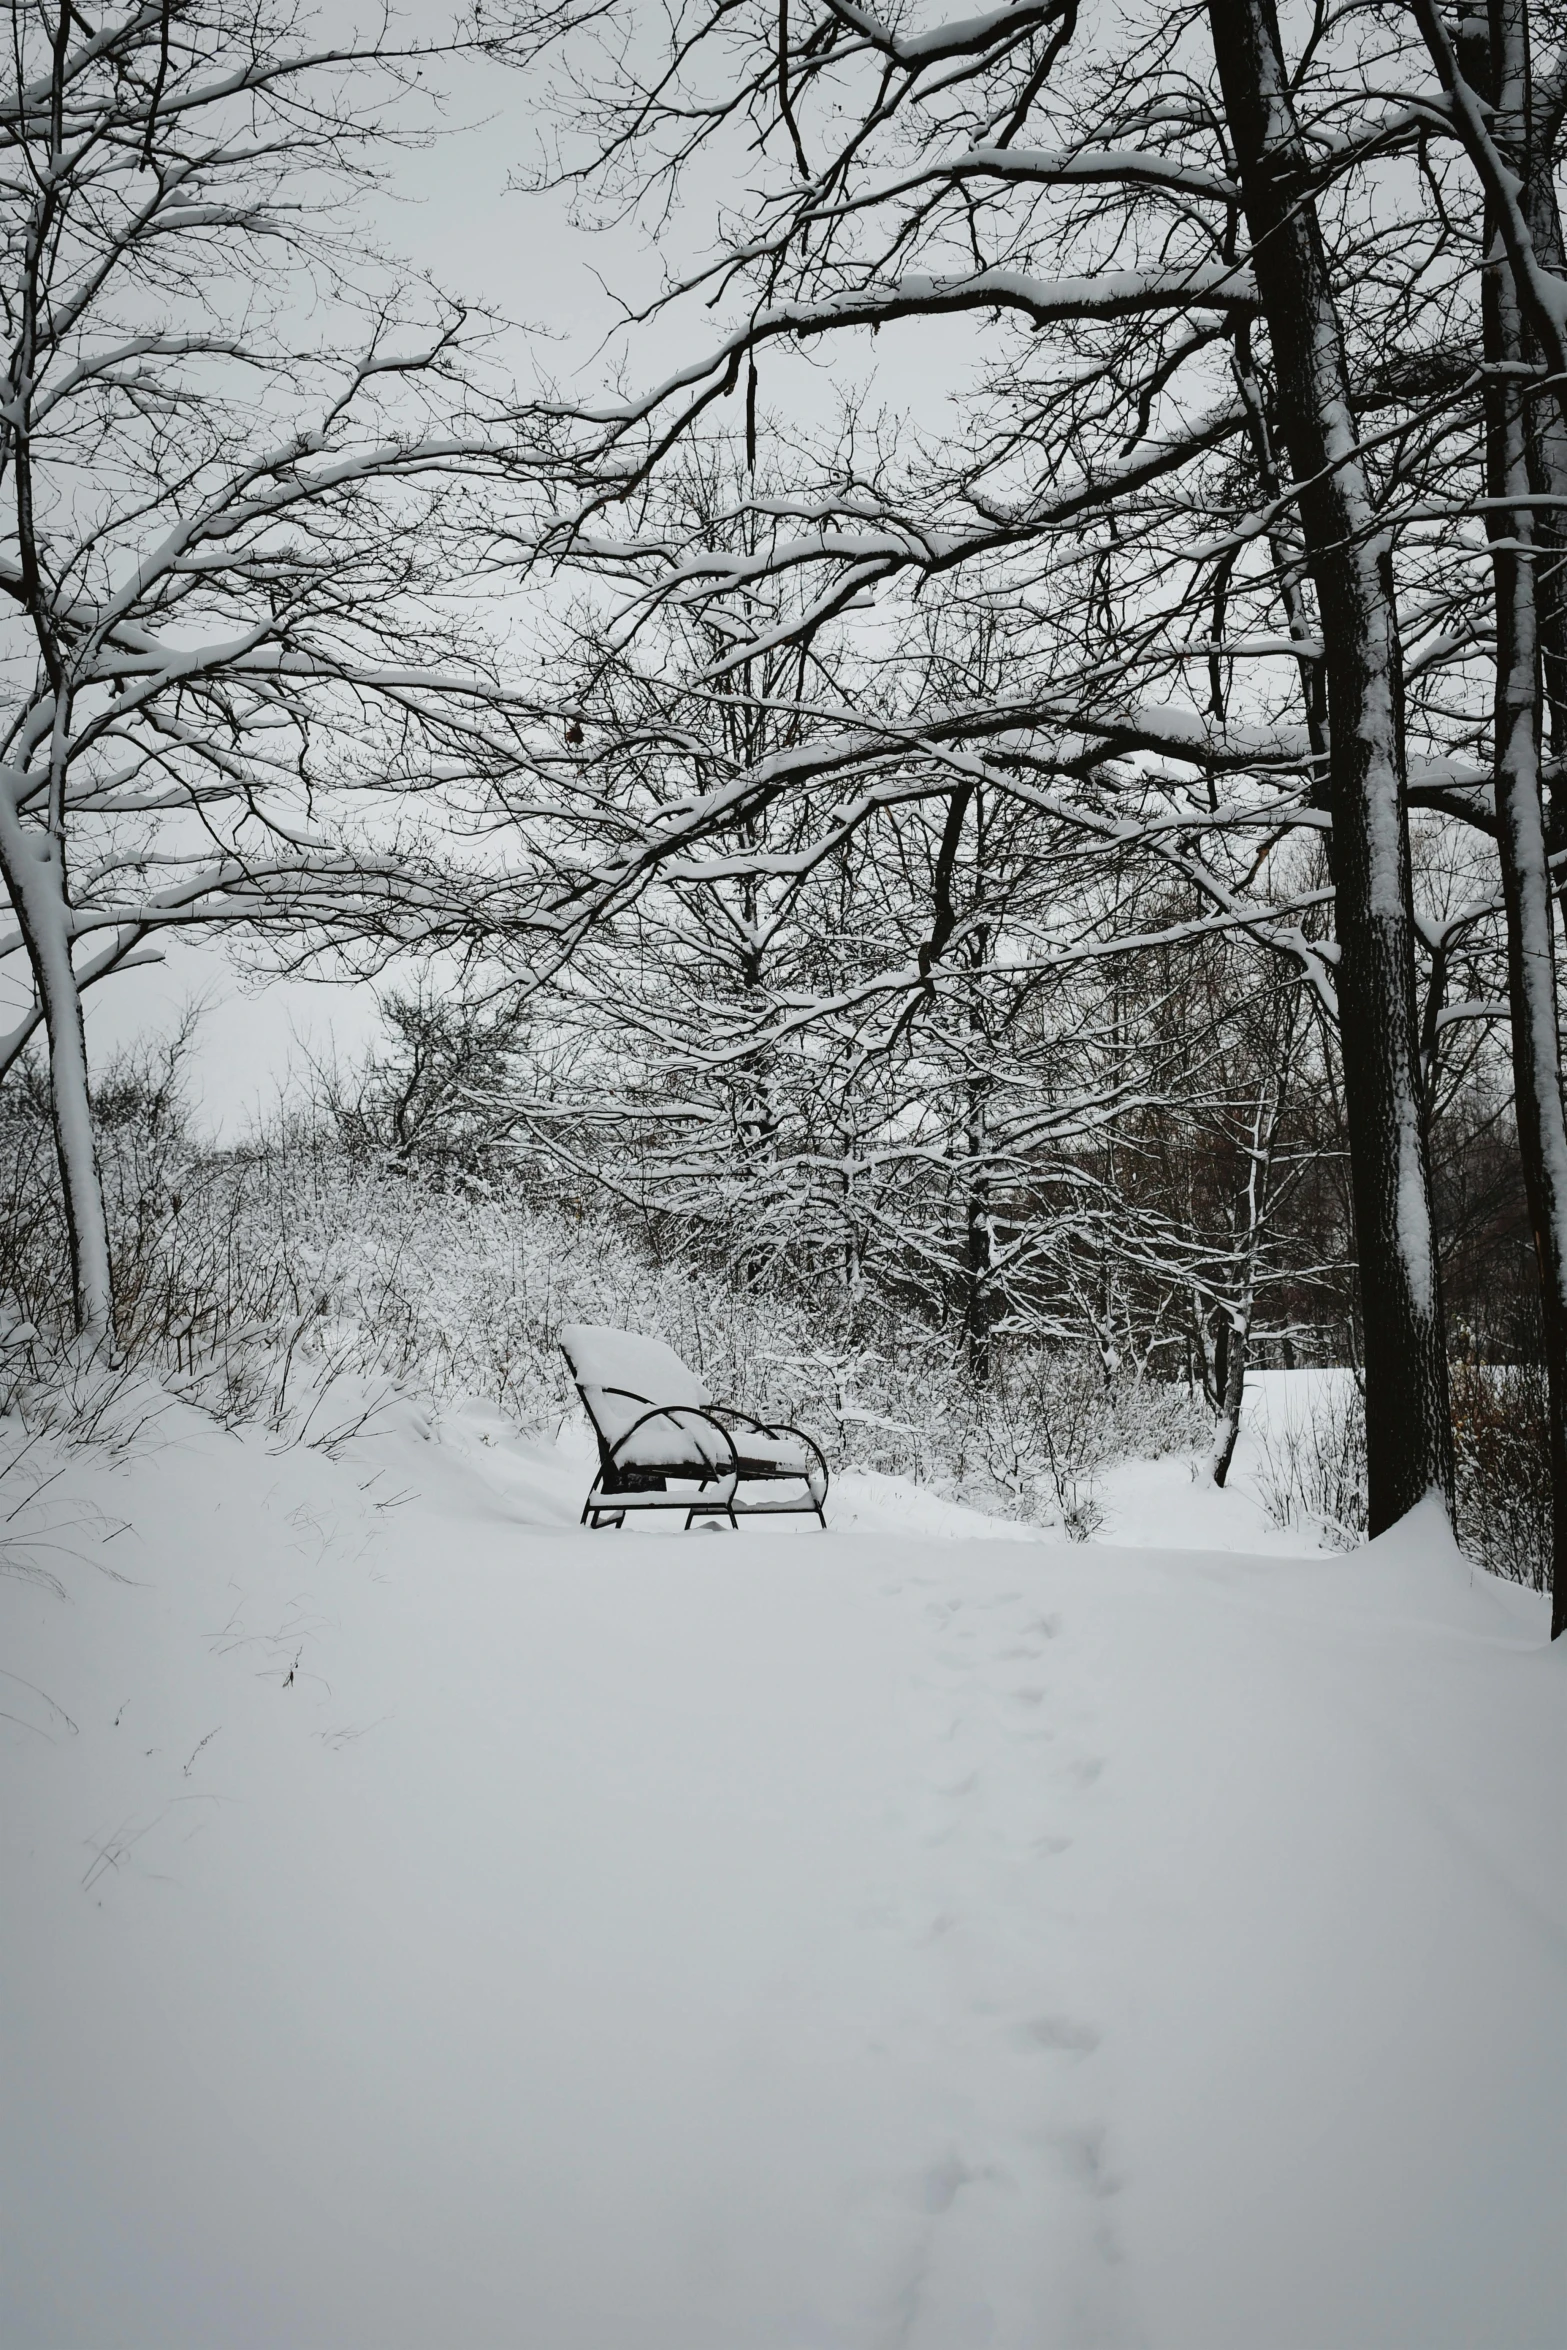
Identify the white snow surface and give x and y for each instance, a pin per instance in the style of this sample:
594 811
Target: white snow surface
434 1927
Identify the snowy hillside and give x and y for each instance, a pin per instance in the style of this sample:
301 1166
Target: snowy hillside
430 1926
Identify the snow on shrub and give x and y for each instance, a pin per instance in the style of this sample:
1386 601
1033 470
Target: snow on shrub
1313 1466
293 1283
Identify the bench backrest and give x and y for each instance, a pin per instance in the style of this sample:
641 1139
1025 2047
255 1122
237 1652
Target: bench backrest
621 1373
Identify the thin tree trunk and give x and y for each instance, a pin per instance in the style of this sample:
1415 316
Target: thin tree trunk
977 1250
1520 821
34 864
1234 1396
1250 1215
30 863
979 1238
1197 1350
1409 1442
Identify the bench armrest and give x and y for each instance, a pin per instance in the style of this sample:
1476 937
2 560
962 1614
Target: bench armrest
776 1428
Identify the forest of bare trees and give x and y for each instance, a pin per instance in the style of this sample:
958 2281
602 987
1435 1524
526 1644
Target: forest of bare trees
1004 759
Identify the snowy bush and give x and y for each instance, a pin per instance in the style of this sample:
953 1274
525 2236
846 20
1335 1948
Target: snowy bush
299 1283
1049 1422
1501 1440
294 1282
1313 1472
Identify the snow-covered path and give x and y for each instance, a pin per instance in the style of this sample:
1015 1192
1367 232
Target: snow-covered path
768 1943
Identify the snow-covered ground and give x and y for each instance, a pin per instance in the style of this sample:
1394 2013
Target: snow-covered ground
429 1927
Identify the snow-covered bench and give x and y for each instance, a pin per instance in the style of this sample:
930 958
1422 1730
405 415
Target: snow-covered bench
658 1428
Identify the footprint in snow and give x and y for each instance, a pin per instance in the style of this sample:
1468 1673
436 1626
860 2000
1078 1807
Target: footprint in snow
941 1924
937 2188
1057 2032
1083 2158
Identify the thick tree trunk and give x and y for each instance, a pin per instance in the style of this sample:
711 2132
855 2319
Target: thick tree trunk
1409 1442
31 866
1548 469
1520 819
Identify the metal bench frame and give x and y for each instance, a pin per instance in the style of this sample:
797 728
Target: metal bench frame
641 1485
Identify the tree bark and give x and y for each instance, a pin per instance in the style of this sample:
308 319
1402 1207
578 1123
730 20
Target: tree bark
1520 816
977 1247
1409 1444
1248 1223
1548 453
1231 1401
31 864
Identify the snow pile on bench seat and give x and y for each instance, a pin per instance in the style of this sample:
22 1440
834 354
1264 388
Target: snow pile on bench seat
625 1361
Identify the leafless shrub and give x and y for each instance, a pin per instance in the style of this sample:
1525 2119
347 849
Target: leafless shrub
26 1471
1501 1445
299 1284
1313 1467
39 1528
89 1399
1049 1423
1313 1472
